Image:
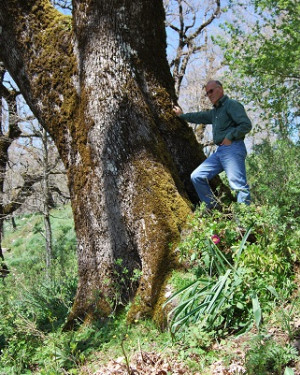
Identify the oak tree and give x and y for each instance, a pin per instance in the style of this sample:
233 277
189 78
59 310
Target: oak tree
100 84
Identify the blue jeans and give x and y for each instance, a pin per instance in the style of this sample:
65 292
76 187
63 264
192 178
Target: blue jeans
230 159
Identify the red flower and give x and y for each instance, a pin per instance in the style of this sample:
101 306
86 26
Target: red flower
215 239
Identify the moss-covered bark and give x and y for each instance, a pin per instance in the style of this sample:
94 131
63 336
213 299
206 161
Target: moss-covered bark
104 91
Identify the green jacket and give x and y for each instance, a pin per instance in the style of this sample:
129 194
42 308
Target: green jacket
229 120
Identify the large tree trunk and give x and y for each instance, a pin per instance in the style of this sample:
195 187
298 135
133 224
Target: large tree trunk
105 97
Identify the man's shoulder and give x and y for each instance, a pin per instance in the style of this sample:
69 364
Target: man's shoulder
226 101
229 101
233 104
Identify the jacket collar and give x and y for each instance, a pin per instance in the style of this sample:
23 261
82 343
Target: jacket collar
221 101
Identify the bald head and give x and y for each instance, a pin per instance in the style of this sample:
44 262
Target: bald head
217 83
214 91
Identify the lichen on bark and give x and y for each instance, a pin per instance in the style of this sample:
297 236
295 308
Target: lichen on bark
104 92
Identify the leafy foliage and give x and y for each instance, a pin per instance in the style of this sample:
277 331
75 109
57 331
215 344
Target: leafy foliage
32 304
267 54
214 298
266 357
231 279
274 176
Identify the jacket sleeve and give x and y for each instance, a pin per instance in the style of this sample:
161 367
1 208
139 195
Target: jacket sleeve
242 122
204 117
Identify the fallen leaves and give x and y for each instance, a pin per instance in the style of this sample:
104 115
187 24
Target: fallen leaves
144 363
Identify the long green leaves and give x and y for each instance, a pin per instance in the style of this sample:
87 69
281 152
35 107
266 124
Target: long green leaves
208 298
289 371
256 310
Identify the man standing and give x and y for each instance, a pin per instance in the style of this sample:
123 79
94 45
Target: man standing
230 124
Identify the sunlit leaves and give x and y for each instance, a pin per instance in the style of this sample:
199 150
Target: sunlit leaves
266 59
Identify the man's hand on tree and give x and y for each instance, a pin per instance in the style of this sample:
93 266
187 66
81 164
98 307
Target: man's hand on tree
177 110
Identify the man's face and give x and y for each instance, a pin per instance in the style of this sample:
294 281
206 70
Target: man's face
214 92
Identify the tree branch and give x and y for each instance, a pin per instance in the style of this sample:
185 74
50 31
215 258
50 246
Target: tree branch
21 193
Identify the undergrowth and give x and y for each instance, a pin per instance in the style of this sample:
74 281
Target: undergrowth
237 273
240 265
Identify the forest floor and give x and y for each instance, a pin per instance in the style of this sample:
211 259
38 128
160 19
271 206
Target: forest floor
33 309
231 360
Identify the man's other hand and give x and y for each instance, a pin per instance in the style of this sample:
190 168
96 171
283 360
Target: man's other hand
226 142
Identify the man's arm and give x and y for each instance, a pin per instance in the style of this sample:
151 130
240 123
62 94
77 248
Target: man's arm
243 124
204 117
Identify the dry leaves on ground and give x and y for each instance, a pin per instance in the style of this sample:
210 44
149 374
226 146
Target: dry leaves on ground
235 368
144 363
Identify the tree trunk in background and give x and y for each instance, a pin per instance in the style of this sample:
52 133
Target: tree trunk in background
13 222
6 139
46 203
104 92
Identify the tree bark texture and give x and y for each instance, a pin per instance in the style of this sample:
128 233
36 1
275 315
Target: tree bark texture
100 84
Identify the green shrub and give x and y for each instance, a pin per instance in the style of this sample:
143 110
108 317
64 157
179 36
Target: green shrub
33 306
267 357
227 285
274 175
220 299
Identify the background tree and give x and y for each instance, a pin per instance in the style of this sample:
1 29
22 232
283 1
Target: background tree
27 157
63 4
100 84
6 138
192 93
47 201
267 54
23 160
183 18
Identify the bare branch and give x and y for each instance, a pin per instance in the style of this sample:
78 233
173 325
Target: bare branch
187 43
21 193
63 4
206 23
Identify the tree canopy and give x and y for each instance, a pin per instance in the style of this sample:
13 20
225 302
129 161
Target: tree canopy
265 55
